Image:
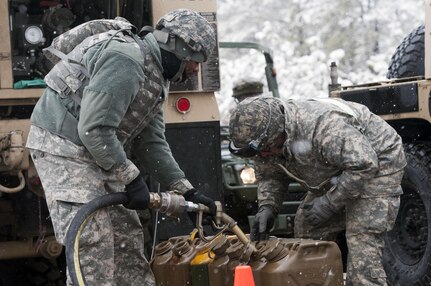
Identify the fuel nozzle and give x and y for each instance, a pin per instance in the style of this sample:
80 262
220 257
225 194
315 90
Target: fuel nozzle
174 204
171 203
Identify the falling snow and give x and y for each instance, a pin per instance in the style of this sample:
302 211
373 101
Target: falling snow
306 36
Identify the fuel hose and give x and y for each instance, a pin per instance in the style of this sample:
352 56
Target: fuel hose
169 203
75 229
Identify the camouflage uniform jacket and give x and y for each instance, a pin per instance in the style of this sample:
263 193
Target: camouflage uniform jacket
121 104
327 141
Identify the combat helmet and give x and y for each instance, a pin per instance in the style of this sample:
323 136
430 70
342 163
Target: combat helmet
246 88
254 124
186 34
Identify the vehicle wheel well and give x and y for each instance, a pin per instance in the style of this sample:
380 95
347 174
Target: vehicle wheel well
412 129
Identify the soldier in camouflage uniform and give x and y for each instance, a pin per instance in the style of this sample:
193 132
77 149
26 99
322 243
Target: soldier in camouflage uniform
104 98
349 159
246 88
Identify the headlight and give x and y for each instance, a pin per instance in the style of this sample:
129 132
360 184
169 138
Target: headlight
247 175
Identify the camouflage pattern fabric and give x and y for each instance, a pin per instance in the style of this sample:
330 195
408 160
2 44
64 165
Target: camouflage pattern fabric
112 243
152 90
181 186
323 142
247 124
150 98
188 25
353 149
69 71
145 104
42 140
366 221
247 88
272 182
67 41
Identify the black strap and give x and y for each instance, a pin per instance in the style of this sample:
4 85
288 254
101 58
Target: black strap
140 43
145 30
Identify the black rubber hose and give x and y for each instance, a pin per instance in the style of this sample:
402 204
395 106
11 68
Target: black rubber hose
75 228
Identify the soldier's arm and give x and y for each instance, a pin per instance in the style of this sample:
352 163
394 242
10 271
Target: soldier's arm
115 80
272 184
344 146
153 151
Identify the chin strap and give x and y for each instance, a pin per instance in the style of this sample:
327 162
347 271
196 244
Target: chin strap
145 30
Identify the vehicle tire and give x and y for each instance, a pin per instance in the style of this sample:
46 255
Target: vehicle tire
32 272
409 57
407 254
11 274
44 272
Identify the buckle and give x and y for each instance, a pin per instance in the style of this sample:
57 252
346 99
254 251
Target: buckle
64 88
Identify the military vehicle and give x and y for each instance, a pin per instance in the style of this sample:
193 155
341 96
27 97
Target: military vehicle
404 102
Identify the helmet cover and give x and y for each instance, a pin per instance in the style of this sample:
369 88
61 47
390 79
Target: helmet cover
193 29
247 88
255 116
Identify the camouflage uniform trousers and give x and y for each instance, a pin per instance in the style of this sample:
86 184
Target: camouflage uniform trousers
366 221
111 247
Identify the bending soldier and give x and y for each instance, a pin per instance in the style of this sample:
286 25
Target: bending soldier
349 159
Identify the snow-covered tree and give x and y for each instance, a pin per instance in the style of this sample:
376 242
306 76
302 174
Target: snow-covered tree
306 36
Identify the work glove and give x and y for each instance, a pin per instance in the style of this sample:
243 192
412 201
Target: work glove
319 211
263 222
137 194
197 197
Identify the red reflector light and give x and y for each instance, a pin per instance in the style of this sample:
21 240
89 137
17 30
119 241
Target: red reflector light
183 105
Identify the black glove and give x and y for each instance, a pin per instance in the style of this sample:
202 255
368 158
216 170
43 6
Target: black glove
197 197
319 211
263 222
137 194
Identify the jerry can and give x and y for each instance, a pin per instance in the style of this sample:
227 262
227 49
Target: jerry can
179 265
218 272
258 261
301 263
162 255
235 252
199 264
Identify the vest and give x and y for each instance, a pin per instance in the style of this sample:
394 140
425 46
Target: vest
69 76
